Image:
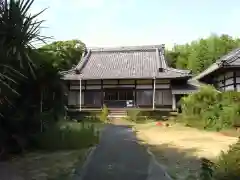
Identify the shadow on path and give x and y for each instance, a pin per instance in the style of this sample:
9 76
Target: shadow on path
119 156
181 164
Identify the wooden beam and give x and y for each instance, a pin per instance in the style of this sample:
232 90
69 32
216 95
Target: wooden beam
235 80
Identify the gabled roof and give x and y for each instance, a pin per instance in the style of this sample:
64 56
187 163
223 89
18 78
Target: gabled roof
231 59
131 62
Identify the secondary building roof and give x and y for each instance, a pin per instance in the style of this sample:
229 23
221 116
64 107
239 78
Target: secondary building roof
231 59
131 62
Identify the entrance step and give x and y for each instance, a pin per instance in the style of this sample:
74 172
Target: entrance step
117 113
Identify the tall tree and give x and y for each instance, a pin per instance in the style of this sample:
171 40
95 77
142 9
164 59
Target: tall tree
200 54
29 84
64 54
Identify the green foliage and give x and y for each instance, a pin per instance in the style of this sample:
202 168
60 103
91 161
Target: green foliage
67 136
198 55
227 166
206 169
63 55
209 109
104 114
133 114
31 88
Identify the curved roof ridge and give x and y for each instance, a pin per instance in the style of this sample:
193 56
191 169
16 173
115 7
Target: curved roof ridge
83 61
127 48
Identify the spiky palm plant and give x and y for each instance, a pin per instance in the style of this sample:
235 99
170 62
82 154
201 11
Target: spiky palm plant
23 77
18 30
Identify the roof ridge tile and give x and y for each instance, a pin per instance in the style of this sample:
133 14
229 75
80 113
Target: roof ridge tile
127 48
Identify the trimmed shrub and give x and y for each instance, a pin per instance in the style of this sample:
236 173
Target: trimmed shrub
133 114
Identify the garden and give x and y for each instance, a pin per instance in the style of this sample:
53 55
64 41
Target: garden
199 143
38 140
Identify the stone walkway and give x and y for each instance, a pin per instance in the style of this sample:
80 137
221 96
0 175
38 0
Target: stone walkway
119 156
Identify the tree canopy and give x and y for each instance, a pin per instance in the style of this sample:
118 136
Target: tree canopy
200 54
64 54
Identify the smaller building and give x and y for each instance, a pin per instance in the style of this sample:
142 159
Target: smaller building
126 77
224 74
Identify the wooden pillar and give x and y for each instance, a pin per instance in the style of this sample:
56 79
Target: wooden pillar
224 82
135 93
80 95
174 107
235 81
154 90
102 100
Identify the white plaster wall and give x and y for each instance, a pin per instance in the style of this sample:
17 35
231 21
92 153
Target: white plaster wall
162 86
76 87
144 87
229 81
229 88
93 87
117 86
237 79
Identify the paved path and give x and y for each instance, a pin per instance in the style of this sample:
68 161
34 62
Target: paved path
120 157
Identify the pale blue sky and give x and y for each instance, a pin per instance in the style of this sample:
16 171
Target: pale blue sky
138 22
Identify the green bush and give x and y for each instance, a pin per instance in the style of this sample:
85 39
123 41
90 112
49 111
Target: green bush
206 169
67 136
228 165
133 114
104 114
209 109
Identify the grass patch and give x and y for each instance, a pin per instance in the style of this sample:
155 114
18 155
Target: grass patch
68 135
181 165
48 165
180 149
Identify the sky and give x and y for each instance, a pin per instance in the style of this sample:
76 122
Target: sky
104 23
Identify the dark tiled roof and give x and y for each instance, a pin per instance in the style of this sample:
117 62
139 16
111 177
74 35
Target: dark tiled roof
125 62
231 59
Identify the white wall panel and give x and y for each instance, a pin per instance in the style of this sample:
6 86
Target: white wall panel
162 86
229 88
144 87
76 87
237 80
229 81
93 87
